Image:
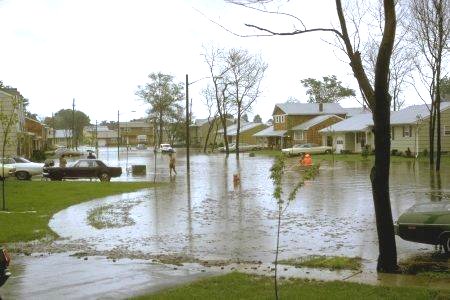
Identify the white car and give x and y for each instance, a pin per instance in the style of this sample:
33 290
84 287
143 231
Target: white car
6 171
24 169
166 148
242 147
307 148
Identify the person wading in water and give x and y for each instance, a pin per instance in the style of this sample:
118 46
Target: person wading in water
172 164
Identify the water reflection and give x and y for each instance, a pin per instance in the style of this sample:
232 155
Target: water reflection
435 186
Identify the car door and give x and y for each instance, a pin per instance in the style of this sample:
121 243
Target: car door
79 170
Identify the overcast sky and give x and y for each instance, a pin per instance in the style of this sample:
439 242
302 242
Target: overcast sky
99 51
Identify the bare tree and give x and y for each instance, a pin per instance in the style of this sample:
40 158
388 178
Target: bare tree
430 31
218 88
378 98
244 75
402 60
212 116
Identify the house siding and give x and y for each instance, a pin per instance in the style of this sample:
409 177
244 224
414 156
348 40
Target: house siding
420 136
247 136
11 148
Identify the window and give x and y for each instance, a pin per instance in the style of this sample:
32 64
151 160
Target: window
298 135
361 138
407 131
447 130
279 119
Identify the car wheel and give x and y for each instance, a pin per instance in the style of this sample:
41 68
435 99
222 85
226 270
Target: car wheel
104 177
328 152
445 242
22 175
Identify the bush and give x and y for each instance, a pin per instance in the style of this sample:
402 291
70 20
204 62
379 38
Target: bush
394 152
38 155
365 151
425 152
345 152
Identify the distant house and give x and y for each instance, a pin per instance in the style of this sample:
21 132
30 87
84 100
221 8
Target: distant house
37 133
246 133
100 135
62 137
350 135
17 138
198 131
296 123
410 128
130 131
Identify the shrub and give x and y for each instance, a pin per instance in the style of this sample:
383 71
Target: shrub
394 152
365 151
425 152
38 155
408 152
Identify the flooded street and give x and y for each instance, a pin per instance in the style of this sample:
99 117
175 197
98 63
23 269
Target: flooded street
206 217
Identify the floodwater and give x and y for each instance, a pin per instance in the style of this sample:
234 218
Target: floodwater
205 216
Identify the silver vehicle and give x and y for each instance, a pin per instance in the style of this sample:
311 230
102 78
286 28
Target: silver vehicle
307 148
24 169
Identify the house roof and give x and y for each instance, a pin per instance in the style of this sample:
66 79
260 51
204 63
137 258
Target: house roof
312 122
353 111
232 129
411 114
310 108
199 122
269 131
359 122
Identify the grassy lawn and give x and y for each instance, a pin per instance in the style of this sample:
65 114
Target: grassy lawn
325 262
31 204
242 286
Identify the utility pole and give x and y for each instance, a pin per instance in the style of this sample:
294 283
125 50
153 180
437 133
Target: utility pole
187 125
118 136
54 130
96 139
73 123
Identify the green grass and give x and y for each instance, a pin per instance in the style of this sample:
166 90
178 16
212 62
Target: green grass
433 265
325 262
243 286
31 204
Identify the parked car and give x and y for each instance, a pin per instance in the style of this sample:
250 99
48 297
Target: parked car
243 147
25 169
5 260
7 170
83 168
427 223
306 148
166 148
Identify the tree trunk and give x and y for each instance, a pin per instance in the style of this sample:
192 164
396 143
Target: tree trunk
387 259
432 131
238 131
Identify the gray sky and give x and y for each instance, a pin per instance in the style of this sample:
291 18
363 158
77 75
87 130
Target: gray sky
99 51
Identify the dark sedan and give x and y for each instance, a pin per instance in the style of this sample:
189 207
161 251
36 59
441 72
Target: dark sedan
427 223
83 168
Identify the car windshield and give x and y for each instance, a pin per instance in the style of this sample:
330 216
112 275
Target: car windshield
165 145
21 160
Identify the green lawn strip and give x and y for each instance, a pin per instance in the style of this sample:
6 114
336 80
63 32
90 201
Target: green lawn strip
46 198
433 265
243 286
325 262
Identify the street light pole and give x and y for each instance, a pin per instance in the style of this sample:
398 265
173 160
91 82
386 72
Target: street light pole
187 125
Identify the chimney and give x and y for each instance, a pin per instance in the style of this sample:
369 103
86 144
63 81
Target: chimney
321 107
